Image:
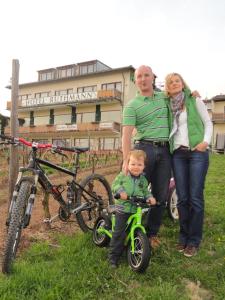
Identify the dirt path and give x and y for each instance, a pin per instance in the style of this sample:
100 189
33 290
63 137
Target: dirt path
38 230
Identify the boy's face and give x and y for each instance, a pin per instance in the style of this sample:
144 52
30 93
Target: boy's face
136 166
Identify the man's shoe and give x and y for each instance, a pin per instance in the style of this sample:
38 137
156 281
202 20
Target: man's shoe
190 251
154 242
180 247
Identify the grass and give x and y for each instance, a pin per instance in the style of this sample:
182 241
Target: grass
76 269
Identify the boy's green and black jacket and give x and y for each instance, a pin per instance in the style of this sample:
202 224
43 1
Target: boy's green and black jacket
133 186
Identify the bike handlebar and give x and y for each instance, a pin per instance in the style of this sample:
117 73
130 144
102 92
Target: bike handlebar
136 199
14 140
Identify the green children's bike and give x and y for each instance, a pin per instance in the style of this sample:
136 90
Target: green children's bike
136 242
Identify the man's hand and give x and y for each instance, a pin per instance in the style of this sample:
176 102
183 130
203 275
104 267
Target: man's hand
125 167
195 94
201 147
126 145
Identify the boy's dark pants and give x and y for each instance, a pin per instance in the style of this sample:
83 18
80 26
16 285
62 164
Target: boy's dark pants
118 237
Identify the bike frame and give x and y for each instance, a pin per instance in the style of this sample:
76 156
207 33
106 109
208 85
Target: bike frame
134 222
39 176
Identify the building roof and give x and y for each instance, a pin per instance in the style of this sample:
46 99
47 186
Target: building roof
107 71
219 98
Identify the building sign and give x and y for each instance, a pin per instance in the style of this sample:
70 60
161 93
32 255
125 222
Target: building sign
66 127
106 125
62 99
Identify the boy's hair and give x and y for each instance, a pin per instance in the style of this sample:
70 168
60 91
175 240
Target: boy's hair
137 154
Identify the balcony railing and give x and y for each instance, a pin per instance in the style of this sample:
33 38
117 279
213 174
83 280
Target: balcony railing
84 127
218 117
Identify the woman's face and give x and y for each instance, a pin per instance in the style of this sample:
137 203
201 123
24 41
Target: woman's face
174 85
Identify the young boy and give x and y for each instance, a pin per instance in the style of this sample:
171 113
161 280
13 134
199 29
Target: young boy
133 184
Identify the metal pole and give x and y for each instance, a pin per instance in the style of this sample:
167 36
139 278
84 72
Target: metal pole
14 157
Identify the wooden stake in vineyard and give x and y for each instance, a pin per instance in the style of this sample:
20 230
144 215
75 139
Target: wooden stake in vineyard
14 157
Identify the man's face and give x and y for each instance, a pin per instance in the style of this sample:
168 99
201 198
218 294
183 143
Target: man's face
144 78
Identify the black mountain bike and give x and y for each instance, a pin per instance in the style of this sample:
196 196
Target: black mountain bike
86 200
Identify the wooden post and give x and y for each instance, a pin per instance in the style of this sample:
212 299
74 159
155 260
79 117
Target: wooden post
14 158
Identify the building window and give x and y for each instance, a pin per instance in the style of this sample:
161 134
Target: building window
21 122
42 94
31 118
51 117
46 76
83 70
25 97
98 113
67 72
112 86
92 88
73 115
90 68
63 92
87 69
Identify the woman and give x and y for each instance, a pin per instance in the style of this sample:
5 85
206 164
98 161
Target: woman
190 135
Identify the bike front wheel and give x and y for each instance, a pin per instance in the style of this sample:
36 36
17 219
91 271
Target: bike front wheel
139 260
95 191
15 226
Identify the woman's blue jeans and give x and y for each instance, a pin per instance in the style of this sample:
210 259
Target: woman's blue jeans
190 169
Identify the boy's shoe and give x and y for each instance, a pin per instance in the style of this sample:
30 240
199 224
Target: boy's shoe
113 264
190 251
180 247
154 242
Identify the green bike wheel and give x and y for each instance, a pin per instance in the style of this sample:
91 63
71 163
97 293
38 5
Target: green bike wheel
139 260
101 239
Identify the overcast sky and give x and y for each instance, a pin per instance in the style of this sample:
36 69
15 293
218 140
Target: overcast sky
185 36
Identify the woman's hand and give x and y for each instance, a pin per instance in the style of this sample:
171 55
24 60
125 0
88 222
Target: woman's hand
201 147
195 94
151 201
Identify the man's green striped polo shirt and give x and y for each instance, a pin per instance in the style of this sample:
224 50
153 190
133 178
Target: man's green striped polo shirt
149 115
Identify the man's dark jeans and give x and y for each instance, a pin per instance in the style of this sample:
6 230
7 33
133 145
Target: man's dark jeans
190 169
158 172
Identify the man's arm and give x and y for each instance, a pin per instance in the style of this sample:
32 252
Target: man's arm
126 144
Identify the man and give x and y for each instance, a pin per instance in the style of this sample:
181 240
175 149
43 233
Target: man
148 113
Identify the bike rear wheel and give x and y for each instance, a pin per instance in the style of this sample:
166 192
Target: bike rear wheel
100 197
139 260
15 226
102 239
